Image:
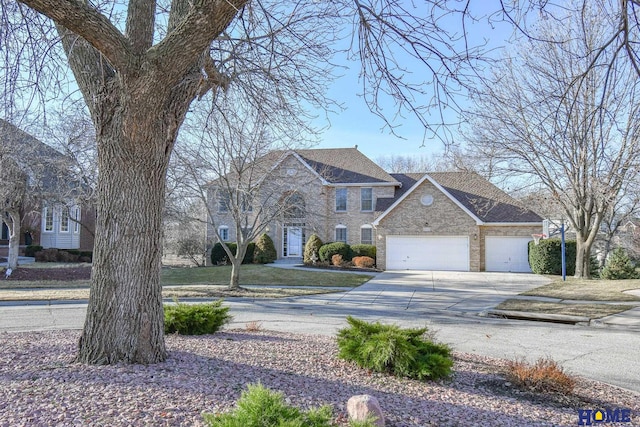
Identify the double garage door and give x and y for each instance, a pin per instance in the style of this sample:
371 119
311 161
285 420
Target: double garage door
452 253
428 253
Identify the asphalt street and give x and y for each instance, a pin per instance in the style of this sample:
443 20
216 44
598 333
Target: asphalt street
448 303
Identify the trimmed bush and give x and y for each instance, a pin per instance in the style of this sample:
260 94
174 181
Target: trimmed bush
195 319
389 348
337 260
260 407
619 266
219 256
327 251
31 250
312 247
363 261
248 255
265 250
546 256
364 250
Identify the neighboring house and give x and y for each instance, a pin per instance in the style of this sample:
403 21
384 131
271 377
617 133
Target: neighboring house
52 219
435 221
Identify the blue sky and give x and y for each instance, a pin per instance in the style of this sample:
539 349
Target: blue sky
358 126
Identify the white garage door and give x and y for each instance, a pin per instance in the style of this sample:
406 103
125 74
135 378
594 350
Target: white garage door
428 253
507 254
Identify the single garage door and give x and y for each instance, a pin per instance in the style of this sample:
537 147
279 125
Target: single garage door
507 254
428 253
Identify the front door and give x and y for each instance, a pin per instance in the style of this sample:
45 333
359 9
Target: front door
294 241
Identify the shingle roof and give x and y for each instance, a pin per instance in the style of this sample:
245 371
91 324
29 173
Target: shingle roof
344 166
406 180
20 142
483 199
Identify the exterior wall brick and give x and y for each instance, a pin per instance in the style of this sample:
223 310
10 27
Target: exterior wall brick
442 218
320 200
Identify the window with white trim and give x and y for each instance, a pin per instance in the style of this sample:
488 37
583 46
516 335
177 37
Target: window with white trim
77 217
64 219
366 235
341 199
366 199
47 220
223 231
341 233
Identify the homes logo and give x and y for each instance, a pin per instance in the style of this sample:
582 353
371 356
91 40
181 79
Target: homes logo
589 417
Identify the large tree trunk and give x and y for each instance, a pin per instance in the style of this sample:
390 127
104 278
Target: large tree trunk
583 255
125 319
14 225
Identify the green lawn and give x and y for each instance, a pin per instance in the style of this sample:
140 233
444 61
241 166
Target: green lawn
588 290
251 274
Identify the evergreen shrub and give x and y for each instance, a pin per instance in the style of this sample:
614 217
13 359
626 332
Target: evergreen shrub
546 256
312 247
265 250
32 249
619 266
327 251
389 348
195 319
219 256
364 250
260 407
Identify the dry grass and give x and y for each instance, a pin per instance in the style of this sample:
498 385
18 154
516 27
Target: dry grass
253 326
588 290
171 292
544 376
593 311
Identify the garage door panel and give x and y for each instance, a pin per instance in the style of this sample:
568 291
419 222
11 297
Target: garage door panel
428 253
507 254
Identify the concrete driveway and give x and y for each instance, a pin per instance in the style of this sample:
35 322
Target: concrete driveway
447 303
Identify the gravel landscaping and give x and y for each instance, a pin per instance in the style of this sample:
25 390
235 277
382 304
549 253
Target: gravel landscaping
41 386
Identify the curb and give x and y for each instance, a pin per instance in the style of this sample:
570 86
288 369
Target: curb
539 317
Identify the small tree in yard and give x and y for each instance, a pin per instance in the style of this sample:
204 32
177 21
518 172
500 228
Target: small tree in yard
619 266
13 191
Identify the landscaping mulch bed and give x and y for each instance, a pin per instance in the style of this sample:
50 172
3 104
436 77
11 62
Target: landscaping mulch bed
82 272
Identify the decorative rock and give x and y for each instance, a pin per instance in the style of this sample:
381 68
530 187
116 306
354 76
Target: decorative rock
365 406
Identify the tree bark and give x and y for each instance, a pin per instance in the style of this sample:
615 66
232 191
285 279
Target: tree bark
125 319
236 265
14 225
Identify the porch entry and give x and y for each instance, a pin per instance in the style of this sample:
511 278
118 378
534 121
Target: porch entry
293 240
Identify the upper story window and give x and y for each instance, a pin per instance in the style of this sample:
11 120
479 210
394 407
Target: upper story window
224 201
366 235
341 199
223 232
341 233
247 205
366 199
295 206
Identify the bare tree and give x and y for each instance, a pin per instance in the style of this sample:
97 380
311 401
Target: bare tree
226 160
13 190
580 141
140 66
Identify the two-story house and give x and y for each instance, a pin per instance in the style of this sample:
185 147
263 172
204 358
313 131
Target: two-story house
438 221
